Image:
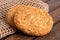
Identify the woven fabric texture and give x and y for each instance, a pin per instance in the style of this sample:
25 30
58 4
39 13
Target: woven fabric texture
5 5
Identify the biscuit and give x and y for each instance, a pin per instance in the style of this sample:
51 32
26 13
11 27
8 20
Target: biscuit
38 4
10 15
33 21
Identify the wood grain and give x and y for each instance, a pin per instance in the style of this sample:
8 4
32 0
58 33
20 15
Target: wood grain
45 0
53 4
56 15
19 36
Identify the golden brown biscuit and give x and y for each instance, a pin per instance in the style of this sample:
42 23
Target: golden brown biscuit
10 15
33 21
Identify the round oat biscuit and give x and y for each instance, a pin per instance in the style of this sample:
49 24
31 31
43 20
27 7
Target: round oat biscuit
10 14
33 21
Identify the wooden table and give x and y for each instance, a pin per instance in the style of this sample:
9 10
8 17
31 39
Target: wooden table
53 35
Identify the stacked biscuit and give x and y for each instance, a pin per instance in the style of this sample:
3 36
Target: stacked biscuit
30 20
5 5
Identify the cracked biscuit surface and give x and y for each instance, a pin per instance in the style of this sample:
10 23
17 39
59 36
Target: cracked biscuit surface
33 21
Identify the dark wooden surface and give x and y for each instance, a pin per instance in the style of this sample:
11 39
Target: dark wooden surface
54 6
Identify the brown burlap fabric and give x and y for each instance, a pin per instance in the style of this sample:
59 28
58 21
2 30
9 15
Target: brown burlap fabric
5 5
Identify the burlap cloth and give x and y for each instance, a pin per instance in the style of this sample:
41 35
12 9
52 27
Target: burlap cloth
5 5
